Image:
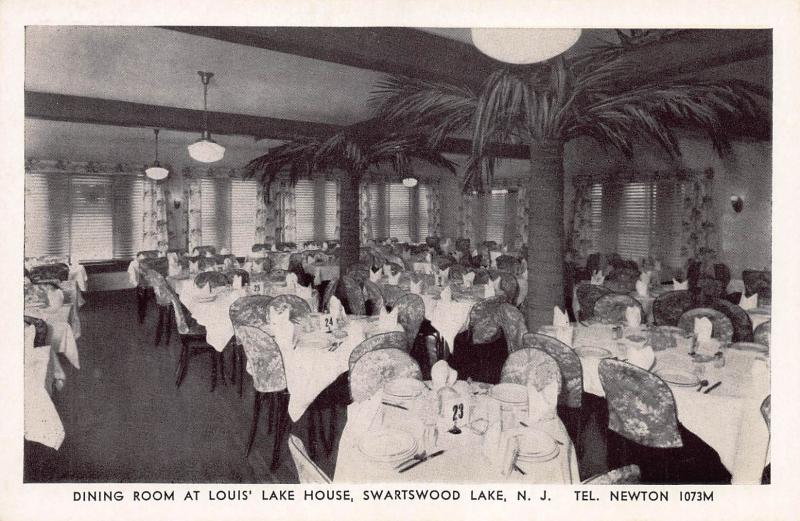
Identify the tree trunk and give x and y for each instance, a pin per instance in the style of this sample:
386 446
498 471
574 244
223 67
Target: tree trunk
349 226
545 232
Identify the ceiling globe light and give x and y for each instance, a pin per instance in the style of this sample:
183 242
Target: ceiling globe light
205 149
522 46
410 182
156 172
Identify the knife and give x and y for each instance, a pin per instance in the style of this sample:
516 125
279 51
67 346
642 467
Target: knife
437 453
712 387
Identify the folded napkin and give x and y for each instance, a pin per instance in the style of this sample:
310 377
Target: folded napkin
633 316
273 248
416 287
324 246
474 252
598 278
133 272
394 279
194 266
641 288
209 254
224 251
387 269
446 295
55 298
237 282
173 270
428 257
282 328
317 277
504 249
469 278
442 375
444 274
388 321
488 290
679 285
304 292
406 255
310 259
560 318
375 276
750 302
645 277
703 328
335 307
172 257
542 403
258 267
227 263
496 283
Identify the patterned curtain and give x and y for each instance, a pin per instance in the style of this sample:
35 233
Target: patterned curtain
365 211
284 212
698 237
154 217
466 211
262 217
521 236
338 210
580 230
192 197
434 210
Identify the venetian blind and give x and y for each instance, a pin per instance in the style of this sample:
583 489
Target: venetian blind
215 208
496 215
331 220
398 212
243 193
304 208
423 219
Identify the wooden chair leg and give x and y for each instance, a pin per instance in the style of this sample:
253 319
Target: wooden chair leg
257 399
281 427
160 325
183 364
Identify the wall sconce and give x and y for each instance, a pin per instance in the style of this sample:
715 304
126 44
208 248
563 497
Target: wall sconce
737 203
176 202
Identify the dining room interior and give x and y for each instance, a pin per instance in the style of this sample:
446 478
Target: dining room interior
396 254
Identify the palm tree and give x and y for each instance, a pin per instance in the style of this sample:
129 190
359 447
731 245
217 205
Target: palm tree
544 106
353 151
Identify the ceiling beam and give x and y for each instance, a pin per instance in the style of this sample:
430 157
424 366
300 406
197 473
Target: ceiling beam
392 50
98 111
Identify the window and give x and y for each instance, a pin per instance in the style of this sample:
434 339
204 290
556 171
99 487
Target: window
399 199
496 215
228 213
423 219
316 205
399 211
86 216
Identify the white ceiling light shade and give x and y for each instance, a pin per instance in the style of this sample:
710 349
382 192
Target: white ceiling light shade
156 172
205 149
410 182
522 46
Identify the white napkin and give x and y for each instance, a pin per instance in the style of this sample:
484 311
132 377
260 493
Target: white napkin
237 282
657 266
416 287
335 307
679 285
172 257
224 251
458 255
474 252
442 375
194 266
387 269
394 279
703 328
542 404
273 248
375 276
444 274
633 316
446 295
496 283
428 257
282 328
488 290
387 321
468 279
310 259
55 298
641 288
257 267
598 278
406 255
560 318
227 263
504 249
318 277
645 277
750 302
133 272
209 254
291 279
324 246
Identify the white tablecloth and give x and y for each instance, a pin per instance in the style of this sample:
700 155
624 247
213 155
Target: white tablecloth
759 315
728 419
42 423
462 462
60 333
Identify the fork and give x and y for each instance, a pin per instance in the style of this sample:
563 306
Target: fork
415 457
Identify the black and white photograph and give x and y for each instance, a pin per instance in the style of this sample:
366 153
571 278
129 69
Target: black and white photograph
396 256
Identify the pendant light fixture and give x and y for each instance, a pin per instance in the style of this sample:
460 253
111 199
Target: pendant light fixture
521 46
205 149
156 172
410 182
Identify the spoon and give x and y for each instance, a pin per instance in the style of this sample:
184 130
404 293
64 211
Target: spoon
703 383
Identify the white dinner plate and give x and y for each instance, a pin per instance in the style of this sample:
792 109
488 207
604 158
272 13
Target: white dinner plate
387 445
205 298
678 377
534 443
510 393
404 388
592 352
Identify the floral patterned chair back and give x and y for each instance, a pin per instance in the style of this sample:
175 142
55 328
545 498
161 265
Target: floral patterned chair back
250 310
587 295
389 340
530 367
722 328
456 273
161 288
410 314
443 262
204 251
264 360
373 298
641 407
740 320
376 368
610 309
184 321
40 260
507 263
159 264
508 284
354 302
707 290
396 267
627 475
758 281
463 245
214 279
668 307
277 275
299 308
307 471
330 290
763 333
243 274
40 338
484 320
433 242
391 294
512 324
37 294
569 364
58 272
261 247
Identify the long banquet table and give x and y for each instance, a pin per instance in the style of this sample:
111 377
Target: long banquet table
42 422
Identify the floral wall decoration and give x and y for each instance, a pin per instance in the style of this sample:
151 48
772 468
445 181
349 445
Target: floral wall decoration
154 216
579 241
699 232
